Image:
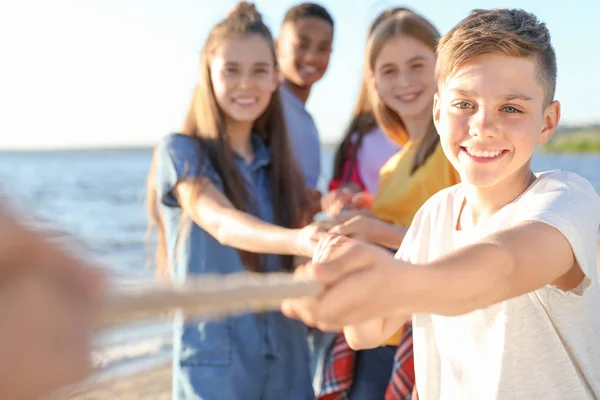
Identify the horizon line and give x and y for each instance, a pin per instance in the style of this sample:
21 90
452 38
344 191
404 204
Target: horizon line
90 148
143 147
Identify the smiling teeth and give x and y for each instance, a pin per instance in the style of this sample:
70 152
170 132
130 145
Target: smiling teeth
485 154
407 97
245 101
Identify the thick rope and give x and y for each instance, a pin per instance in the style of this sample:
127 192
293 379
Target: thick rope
209 297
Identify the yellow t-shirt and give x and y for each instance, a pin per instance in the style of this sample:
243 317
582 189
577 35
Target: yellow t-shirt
401 195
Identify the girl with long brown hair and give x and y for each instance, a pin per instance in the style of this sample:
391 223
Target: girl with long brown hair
226 195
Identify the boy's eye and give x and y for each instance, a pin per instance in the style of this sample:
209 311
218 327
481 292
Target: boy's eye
261 71
512 110
231 70
417 66
463 105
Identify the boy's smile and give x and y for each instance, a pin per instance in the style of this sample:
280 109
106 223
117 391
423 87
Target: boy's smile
304 49
483 155
490 115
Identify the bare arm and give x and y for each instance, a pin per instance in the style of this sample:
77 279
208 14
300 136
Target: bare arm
47 297
392 276
372 230
373 333
214 213
502 266
388 235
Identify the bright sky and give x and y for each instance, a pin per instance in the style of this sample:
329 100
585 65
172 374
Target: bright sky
120 72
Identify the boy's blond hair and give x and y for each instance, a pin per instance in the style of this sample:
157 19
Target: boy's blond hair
511 32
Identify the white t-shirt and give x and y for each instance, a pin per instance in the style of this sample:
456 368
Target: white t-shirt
541 345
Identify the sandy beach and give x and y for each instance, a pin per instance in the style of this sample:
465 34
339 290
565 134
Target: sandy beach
154 384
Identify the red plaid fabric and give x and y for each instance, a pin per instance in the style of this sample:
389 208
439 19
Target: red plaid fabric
339 370
403 375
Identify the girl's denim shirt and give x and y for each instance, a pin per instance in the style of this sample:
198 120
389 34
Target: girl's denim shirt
235 351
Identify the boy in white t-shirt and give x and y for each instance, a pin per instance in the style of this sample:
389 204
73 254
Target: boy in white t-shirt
496 271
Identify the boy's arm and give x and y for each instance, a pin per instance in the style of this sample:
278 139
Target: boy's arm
504 265
552 245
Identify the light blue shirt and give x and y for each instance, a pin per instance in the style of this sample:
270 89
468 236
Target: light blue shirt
304 136
245 357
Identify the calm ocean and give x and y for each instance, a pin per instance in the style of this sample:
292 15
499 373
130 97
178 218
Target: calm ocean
98 196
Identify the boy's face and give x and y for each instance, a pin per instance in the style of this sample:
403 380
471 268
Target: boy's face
303 50
490 115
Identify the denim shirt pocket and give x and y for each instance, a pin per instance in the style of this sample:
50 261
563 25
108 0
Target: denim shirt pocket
207 343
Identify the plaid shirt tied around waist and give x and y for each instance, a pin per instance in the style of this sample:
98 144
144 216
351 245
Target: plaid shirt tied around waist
339 370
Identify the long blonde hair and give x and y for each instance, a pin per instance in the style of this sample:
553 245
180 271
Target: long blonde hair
363 120
205 122
402 23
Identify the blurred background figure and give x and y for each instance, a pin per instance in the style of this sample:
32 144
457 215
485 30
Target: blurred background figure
364 149
49 300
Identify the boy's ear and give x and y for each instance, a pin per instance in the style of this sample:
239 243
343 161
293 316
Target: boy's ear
436 111
551 120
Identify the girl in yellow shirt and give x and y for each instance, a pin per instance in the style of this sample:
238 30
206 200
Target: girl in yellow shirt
400 62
